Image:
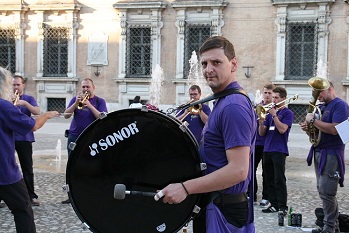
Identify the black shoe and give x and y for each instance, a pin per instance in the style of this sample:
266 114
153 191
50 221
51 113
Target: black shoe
66 201
317 230
271 209
320 230
35 202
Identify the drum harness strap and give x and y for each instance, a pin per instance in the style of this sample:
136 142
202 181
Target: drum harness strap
216 96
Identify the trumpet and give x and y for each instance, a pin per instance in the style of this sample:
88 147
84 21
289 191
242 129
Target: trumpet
81 103
15 101
263 111
195 109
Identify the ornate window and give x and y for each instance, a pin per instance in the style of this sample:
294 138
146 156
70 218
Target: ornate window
8 49
140 45
139 52
57 38
301 51
302 37
55 51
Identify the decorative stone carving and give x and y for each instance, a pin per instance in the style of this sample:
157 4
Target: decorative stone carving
97 49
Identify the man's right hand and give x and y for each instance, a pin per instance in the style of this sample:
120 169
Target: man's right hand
51 114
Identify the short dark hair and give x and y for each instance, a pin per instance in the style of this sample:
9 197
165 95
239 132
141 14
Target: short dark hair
216 42
20 77
88 79
137 99
195 87
282 91
269 86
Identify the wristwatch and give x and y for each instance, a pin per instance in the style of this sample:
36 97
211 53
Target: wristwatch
312 120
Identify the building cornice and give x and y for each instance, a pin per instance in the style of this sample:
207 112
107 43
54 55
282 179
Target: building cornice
285 2
53 5
139 4
193 4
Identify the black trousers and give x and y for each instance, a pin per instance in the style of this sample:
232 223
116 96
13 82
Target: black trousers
274 165
25 155
17 199
258 157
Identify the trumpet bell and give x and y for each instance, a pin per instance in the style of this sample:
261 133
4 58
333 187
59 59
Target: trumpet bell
261 111
81 103
195 109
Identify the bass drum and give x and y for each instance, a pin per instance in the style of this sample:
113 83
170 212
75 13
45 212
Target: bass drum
145 151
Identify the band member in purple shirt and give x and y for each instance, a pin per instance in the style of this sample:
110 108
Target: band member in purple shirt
196 121
259 150
86 107
12 187
276 128
27 105
227 147
328 154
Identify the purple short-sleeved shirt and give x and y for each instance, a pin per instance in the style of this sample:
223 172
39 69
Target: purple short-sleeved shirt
195 123
335 111
29 137
11 120
232 123
84 117
275 141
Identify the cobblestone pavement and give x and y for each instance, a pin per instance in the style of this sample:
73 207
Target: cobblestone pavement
52 216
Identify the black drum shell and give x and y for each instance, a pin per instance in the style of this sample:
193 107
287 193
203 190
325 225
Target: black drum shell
145 150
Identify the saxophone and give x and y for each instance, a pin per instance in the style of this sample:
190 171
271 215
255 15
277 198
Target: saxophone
318 84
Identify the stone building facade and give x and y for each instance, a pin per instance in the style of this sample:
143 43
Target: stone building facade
121 46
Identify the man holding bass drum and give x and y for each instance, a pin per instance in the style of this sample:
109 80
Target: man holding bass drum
226 148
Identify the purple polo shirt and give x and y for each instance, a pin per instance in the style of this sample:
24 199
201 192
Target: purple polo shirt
195 123
232 123
337 111
29 137
84 117
275 141
11 120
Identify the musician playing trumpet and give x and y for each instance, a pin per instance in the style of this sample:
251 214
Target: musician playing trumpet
23 143
83 116
276 128
328 154
196 116
267 98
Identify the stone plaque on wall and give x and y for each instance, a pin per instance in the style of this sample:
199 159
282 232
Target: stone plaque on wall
97 49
